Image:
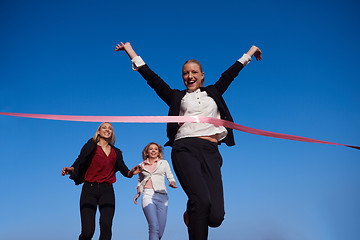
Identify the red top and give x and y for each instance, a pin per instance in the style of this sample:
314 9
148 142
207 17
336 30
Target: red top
102 167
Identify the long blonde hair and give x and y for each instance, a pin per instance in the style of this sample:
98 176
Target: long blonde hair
111 140
146 149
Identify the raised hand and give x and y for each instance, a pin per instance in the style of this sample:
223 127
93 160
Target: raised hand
255 51
127 48
121 46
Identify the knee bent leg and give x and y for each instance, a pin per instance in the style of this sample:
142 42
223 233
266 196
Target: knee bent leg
216 221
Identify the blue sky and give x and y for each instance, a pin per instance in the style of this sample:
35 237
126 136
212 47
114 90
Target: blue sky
57 57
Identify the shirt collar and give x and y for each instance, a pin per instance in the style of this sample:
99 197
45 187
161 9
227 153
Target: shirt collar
147 161
201 89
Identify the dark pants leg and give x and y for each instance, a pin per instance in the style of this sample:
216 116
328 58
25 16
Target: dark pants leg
92 195
197 164
107 210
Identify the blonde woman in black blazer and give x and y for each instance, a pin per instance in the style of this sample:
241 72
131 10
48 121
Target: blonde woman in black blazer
195 155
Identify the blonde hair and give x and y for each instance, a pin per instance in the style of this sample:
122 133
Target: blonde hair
111 140
146 149
197 63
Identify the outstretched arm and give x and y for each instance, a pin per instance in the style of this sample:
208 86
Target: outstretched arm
162 89
231 73
127 48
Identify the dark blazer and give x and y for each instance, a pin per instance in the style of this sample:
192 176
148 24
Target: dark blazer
172 97
83 161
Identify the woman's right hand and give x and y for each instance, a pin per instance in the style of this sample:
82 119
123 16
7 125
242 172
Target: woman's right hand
67 170
122 46
127 48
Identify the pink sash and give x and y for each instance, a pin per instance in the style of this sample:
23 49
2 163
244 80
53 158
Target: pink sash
172 119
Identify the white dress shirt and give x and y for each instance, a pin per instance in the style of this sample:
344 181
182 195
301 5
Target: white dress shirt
198 103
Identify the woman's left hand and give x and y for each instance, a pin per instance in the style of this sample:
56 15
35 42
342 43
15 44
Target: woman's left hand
256 52
137 169
136 197
173 185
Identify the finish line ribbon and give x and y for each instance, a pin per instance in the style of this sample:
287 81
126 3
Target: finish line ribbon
172 119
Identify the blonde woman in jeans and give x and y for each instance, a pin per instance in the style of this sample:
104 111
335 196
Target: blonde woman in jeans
151 185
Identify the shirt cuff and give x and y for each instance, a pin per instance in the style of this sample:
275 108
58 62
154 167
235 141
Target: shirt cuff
137 63
245 59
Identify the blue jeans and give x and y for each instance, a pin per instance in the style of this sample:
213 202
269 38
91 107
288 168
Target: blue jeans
155 207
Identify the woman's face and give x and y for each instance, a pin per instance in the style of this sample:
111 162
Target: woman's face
105 131
153 151
192 76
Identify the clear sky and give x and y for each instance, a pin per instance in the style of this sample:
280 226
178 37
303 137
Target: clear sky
57 57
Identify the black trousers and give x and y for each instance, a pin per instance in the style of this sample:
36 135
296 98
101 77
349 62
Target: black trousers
93 195
197 164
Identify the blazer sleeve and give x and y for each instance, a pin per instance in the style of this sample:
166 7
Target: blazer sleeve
228 76
120 165
82 162
161 88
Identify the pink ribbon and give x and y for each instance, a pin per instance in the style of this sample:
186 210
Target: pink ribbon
172 119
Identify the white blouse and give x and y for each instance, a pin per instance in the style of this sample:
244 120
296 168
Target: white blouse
198 103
